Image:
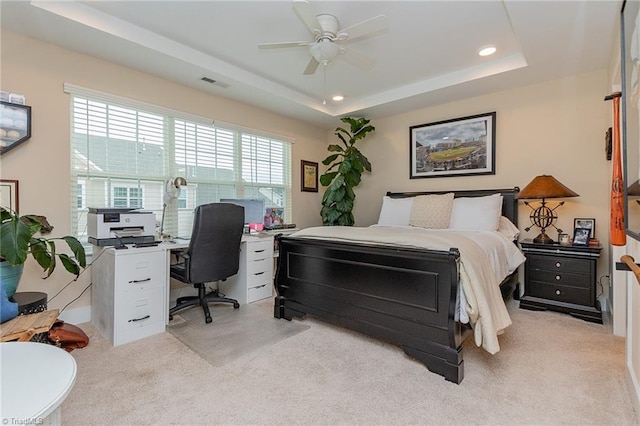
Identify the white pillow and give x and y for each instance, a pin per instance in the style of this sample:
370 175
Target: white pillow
431 211
507 228
395 211
476 213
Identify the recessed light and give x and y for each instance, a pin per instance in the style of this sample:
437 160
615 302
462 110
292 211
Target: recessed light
486 51
338 98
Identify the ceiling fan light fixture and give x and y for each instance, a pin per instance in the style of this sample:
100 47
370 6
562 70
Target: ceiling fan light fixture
324 51
487 51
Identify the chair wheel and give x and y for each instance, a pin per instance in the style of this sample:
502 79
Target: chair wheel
208 320
236 305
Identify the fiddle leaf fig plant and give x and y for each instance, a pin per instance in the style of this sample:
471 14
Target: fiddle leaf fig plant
347 164
18 239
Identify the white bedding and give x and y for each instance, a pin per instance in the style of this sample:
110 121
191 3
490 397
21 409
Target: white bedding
486 259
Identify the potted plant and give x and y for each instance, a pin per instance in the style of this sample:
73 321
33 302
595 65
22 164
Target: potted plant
345 173
18 240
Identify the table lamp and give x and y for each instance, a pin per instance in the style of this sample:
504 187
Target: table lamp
172 192
543 187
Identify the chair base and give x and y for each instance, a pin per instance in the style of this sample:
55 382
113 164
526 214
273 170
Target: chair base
203 299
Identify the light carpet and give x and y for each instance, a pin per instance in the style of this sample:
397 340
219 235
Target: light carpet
227 338
553 369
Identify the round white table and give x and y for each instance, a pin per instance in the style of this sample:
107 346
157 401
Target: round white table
36 378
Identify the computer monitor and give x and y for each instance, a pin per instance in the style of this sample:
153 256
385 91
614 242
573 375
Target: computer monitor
253 208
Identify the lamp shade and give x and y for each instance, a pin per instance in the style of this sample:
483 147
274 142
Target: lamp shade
545 186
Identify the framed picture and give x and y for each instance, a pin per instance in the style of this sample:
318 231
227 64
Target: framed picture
15 125
587 223
581 236
309 176
458 147
9 194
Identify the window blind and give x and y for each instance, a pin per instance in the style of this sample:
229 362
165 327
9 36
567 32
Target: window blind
123 153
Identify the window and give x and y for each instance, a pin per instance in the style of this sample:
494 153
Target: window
124 152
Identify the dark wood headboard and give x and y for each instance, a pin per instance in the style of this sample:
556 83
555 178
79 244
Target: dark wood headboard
509 198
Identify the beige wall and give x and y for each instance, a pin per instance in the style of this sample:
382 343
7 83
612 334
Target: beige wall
38 70
553 128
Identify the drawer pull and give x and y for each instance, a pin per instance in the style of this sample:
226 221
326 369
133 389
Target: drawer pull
558 277
259 273
139 319
558 292
258 251
558 264
139 281
260 286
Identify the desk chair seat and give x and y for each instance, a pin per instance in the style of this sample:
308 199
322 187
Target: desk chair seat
213 255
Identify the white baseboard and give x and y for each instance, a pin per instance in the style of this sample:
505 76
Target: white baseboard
634 387
77 315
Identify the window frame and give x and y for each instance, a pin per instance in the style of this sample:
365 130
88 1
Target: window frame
178 217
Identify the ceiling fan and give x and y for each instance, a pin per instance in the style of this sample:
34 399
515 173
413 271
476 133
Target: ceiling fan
328 37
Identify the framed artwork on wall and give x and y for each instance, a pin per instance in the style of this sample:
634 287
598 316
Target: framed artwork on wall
9 194
457 147
15 125
309 176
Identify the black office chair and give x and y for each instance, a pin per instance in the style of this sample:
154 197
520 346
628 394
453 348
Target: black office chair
213 255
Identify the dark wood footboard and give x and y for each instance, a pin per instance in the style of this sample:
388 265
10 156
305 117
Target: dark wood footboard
401 295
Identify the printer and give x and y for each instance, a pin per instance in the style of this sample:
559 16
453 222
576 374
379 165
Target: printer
119 226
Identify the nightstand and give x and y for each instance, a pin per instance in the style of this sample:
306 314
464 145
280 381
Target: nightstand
561 278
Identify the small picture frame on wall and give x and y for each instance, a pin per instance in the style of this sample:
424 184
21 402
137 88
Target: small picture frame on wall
588 223
309 176
581 236
9 194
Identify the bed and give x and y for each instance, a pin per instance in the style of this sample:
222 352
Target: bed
402 294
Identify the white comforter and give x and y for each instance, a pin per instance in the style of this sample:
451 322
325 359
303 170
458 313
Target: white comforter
486 258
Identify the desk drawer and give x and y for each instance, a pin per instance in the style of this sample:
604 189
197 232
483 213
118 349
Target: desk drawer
258 292
141 271
257 250
258 267
140 314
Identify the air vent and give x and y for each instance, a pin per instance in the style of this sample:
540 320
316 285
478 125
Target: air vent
212 81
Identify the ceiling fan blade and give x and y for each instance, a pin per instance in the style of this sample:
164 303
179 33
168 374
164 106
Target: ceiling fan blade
377 24
312 66
285 44
359 59
306 14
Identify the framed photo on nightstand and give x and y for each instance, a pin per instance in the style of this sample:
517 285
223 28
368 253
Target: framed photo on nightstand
589 223
581 236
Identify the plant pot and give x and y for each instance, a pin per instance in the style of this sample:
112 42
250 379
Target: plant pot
10 277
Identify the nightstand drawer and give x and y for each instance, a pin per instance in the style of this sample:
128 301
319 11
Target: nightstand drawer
561 278
560 293
562 264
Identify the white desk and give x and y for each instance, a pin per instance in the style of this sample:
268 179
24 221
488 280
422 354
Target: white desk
131 288
36 378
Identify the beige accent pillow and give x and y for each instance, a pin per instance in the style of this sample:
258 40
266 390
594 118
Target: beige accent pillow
431 211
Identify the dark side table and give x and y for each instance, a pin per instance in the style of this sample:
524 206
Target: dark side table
30 302
561 278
